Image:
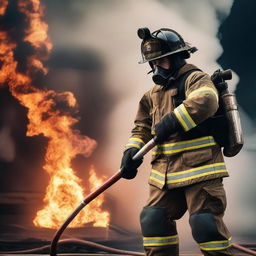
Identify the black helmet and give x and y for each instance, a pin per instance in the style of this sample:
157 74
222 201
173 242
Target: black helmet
162 43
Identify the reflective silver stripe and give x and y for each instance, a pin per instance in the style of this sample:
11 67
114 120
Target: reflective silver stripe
159 241
181 146
135 142
216 245
184 118
157 177
196 172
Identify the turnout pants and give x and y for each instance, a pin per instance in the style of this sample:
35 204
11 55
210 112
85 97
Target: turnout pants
206 203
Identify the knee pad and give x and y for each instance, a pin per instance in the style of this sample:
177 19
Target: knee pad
204 227
154 221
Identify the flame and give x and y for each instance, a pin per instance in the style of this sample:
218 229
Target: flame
64 191
64 195
3 5
94 213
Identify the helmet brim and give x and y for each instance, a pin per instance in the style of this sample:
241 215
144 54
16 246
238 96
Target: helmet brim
187 47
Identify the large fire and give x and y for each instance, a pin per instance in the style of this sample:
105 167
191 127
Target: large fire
64 191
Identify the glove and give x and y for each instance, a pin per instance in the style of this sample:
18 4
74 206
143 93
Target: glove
129 166
167 126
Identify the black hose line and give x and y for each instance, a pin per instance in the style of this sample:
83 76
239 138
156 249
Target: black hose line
79 242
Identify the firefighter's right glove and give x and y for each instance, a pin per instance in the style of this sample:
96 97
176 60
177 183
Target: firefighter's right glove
128 165
166 127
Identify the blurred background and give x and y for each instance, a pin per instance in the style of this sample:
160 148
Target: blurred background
95 56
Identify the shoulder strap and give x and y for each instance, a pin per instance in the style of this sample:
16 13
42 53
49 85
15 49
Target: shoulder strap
180 96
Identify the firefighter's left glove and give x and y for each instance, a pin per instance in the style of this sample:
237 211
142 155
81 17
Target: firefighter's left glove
128 165
166 127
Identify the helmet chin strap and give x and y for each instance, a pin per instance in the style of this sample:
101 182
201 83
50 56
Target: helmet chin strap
152 67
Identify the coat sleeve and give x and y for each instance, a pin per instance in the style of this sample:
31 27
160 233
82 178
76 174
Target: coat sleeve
201 101
141 133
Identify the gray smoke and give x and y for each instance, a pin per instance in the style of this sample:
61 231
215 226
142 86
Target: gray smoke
109 29
7 147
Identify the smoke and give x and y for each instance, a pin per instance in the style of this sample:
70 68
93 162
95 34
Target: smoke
239 55
120 46
7 147
49 113
241 59
111 31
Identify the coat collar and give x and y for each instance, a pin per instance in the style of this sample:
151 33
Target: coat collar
181 71
184 69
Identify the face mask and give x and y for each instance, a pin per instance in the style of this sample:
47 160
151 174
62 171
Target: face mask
162 76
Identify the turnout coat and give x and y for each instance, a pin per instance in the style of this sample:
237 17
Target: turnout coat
187 157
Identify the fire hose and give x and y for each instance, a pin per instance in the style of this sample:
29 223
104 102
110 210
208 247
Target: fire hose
144 150
105 248
113 179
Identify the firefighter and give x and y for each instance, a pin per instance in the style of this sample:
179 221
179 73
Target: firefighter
187 163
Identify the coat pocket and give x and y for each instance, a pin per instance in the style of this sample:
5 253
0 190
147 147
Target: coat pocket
196 157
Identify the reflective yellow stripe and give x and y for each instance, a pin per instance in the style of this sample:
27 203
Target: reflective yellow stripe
130 145
136 139
197 168
157 180
159 244
203 91
216 242
183 149
135 142
157 177
177 114
159 237
216 245
181 146
196 176
158 173
196 172
176 177
184 110
184 118
186 141
159 241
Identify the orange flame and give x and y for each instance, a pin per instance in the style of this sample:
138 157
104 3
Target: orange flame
3 5
64 191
